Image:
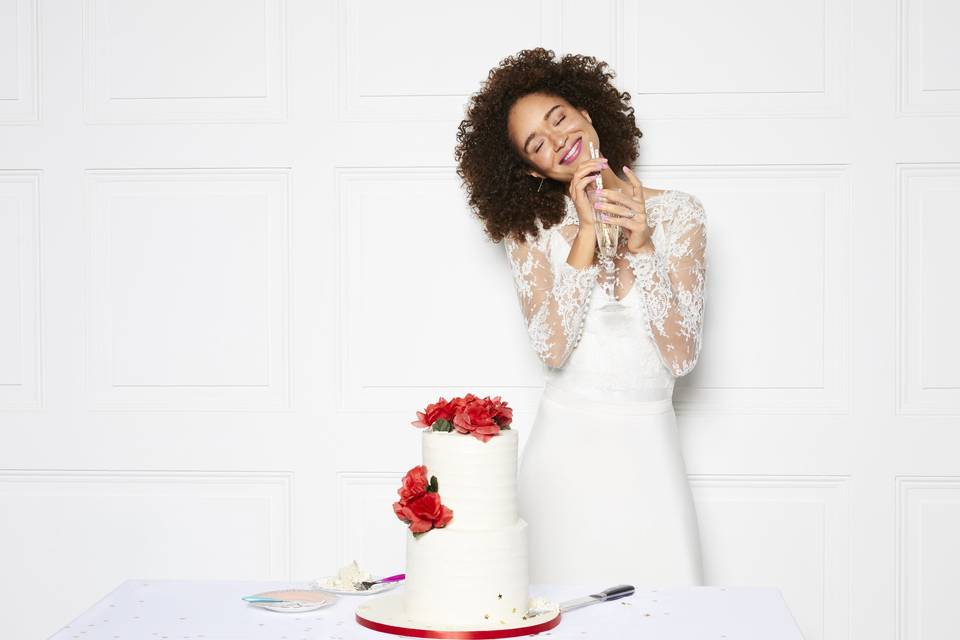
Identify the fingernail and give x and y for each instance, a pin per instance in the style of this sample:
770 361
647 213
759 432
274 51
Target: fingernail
603 217
596 205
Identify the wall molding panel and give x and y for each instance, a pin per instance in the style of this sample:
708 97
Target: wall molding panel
20 291
928 347
188 289
213 74
809 519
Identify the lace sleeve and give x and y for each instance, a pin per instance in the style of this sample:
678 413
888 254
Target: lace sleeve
671 275
553 299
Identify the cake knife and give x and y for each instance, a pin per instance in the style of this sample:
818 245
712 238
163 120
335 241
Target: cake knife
613 593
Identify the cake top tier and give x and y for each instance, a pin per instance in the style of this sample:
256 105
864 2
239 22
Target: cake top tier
469 448
477 479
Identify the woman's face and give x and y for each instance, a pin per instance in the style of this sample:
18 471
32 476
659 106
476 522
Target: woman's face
550 135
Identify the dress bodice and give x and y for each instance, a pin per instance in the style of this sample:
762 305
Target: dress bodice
634 351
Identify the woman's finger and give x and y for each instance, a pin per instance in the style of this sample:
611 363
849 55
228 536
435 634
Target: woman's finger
589 166
627 223
583 183
612 195
579 182
614 212
618 209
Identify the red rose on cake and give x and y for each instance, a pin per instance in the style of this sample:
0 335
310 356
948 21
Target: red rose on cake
419 505
424 513
482 418
477 420
440 410
502 414
414 484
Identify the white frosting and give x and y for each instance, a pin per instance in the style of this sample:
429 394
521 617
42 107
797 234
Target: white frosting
474 570
346 579
478 480
467 577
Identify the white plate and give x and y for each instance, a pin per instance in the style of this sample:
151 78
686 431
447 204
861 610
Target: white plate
377 588
292 607
297 601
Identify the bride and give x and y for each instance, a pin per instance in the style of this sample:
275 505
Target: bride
602 480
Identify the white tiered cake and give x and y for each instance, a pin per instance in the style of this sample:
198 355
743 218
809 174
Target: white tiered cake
466 542
473 571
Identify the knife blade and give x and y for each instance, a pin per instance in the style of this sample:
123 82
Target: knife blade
613 593
607 595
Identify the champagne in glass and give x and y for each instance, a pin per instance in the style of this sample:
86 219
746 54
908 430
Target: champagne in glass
608 237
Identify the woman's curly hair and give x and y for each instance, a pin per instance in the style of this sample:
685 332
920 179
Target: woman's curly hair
501 191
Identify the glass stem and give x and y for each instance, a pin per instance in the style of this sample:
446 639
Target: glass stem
610 268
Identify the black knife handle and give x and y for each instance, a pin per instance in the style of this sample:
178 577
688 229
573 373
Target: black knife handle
614 593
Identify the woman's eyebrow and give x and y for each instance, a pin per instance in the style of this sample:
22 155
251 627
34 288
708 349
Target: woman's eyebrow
546 117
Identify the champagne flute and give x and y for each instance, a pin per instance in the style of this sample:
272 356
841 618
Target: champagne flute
608 237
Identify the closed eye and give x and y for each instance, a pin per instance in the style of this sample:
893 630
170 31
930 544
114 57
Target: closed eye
537 150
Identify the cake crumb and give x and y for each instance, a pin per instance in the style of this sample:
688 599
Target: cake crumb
486 616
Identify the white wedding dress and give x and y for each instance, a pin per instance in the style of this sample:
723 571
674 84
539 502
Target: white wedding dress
602 481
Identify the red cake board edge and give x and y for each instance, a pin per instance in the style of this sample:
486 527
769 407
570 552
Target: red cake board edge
460 635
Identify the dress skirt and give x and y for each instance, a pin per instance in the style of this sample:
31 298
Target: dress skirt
604 490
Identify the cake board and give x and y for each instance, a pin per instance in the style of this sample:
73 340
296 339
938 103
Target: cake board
386 614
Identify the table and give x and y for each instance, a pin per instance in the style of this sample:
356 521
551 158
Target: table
212 610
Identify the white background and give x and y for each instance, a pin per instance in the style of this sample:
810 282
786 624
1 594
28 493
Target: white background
235 260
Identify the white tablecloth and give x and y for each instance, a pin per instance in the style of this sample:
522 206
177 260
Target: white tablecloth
213 610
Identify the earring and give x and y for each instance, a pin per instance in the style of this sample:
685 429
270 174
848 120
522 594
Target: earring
541 184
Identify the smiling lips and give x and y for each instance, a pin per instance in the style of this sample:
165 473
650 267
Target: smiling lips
573 153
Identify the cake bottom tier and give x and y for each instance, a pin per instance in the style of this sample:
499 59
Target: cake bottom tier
457 576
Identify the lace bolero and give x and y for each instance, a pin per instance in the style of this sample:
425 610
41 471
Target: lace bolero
668 274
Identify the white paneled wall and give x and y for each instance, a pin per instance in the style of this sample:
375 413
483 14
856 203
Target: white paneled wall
235 259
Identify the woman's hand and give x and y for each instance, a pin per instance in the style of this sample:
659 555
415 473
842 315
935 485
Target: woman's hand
628 212
582 178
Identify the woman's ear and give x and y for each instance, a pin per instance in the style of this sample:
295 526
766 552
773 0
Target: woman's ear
535 174
586 115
